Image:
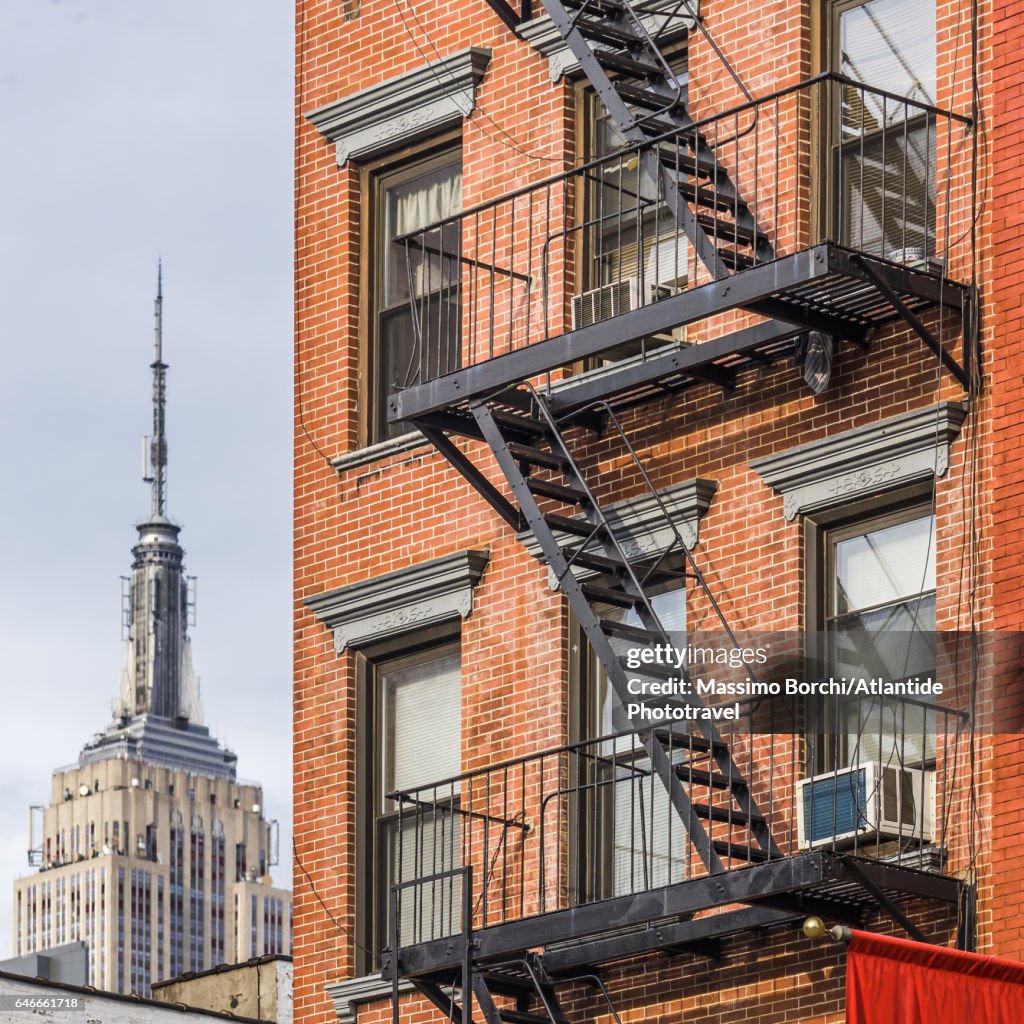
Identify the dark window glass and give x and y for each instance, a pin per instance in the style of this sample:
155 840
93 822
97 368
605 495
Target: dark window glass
416 743
416 298
629 837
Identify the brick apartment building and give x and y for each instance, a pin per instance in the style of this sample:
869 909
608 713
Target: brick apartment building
630 323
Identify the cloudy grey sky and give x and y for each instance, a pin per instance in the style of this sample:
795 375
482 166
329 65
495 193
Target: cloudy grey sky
134 128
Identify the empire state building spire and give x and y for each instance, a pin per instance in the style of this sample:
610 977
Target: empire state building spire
157 678
158 716
158 446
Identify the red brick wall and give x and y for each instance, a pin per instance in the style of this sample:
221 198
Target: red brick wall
411 507
1001 225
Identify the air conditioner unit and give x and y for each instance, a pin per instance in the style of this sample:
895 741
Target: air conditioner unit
623 296
866 800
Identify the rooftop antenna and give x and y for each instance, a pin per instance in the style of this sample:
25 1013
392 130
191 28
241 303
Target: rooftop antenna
156 472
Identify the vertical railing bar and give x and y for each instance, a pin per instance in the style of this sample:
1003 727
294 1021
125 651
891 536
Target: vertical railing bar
542 826
906 163
467 956
435 881
641 282
504 843
490 327
929 241
427 280
560 317
775 188
462 271
885 164
593 830
881 761
485 879
861 241
840 203
794 742
522 856
511 276
679 237
756 211
474 286
546 269
737 178
393 943
529 273
400 869
417 905
561 881
647 848
772 725
587 814
671 821
692 250
593 247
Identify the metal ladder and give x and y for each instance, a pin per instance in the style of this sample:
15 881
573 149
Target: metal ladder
633 79
537 464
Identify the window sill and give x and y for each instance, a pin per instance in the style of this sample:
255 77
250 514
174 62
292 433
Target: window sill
381 450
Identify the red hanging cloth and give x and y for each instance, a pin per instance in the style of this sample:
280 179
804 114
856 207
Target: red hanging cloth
895 981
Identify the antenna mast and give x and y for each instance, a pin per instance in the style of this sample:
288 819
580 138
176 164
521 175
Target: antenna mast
158 447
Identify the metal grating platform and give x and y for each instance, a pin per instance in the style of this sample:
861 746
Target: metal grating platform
826 288
818 881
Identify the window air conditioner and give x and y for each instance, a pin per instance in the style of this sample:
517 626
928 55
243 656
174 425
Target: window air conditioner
623 296
868 799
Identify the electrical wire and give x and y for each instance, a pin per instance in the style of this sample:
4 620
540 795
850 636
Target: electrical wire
474 106
327 910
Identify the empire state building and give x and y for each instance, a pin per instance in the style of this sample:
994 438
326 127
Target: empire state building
152 852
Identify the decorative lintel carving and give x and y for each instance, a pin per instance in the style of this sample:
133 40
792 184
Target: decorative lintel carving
404 109
397 602
857 463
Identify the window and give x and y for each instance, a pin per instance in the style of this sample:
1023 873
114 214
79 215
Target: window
629 837
632 250
410 738
415 306
884 152
877 609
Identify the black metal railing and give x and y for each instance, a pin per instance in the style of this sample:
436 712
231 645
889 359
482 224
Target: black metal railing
590 821
826 159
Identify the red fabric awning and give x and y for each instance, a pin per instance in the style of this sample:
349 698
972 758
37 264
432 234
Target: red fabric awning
895 981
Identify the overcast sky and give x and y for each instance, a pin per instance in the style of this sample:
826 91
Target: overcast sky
134 128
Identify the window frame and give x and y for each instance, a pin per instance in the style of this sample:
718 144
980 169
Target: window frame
821 531
591 873
372 662
587 277
405 163
826 56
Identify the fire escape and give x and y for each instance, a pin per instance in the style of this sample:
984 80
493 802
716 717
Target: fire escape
494 865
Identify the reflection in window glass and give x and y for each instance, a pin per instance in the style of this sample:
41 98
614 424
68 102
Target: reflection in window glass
881 624
886 152
645 836
421 744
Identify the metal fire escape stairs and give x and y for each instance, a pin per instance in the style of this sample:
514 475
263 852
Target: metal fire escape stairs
533 453
635 83
645 101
